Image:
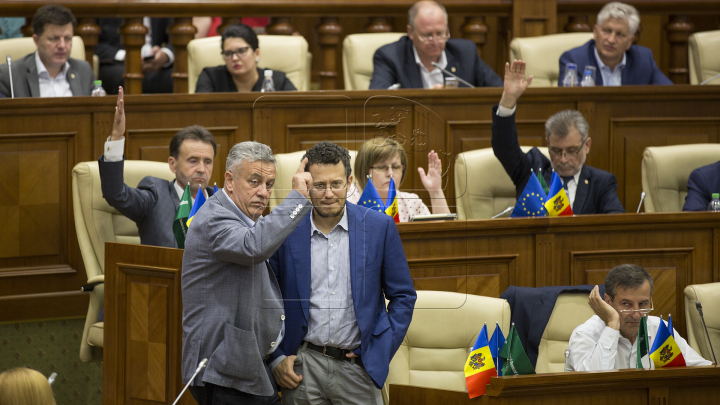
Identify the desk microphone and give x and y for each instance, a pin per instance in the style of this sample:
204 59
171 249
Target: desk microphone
508 209
200 366
710 79
9 63
52 378
642 198
395 86
699 308
453 75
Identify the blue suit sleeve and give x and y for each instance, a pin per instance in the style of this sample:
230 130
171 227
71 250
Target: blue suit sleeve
609 203
383 75
658 77
484 75
134 203
698 196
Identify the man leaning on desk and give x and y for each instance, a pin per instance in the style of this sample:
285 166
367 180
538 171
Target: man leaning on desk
590 190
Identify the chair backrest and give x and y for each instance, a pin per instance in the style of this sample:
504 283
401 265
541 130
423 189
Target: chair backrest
571 310
17 48
358 52
542 55
96 222
703 56
482 186
285 53
287 165
709 297
665 172
441 335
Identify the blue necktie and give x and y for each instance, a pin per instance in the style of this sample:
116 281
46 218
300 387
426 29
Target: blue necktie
565 180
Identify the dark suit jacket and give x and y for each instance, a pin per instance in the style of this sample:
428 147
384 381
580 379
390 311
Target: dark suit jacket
596 191
640 67
152 205
395 63
377 266
702 182
109 41
25 77
531 309
218 80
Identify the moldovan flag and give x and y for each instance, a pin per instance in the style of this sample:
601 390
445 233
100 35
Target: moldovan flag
665 352
391 207
479 366
558 203
199 201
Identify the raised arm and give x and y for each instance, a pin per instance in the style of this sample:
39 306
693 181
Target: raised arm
432 181
515 83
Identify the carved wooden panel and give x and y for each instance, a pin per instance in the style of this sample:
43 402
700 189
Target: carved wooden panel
477 275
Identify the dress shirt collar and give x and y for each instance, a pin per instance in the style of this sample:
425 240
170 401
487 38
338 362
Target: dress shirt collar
442 62
43 72
180 191
610 77
343 223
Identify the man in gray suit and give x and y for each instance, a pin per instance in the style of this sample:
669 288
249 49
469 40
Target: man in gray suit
50 71
153 204
232 307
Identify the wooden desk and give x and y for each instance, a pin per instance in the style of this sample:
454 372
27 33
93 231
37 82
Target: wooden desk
677 386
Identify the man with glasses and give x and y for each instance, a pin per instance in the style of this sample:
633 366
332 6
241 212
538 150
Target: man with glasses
590 190
335 272
408 62
607 341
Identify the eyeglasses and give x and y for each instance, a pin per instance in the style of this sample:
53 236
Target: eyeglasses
384 168
571 151
440 37
642 311
335 186
240 52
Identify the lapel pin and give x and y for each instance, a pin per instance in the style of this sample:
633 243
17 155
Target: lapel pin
452 69
72 75
586 181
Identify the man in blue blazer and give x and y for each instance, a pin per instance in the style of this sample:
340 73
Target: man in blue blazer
702 183
409 61
335 272
616 60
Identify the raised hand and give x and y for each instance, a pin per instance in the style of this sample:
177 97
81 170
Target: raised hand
302 180
515 83
433 179
118 129
602 309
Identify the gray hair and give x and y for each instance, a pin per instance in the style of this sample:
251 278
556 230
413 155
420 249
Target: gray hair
626 275
562 122
620 11
415 9
249 151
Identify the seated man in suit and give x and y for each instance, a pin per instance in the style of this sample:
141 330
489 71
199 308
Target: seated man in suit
153 204
590 190
607 341
409 61
49 71
335 272
702 183
232 308
612 53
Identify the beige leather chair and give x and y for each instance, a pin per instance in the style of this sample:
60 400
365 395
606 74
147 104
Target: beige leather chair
665 172
96 223
286 53
571 310
442 333
482 187
17 48
542 55
287 165
358 52
709 297
704 57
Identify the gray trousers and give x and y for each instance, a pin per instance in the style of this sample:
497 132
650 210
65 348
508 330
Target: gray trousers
330 381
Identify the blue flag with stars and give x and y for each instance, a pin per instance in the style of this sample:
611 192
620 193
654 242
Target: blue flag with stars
371 199
531 203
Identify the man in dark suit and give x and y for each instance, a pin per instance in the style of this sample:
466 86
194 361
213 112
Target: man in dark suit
409 61
590 190
335 272
153 204
50 71
702 183
616 60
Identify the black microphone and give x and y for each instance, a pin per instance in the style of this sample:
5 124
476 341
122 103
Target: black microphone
9 63
642 198
699 308
453 75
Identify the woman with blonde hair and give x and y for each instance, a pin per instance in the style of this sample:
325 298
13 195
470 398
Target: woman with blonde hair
384 159
23 386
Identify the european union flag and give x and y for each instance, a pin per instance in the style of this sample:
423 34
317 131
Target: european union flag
531 203
371 199
497 341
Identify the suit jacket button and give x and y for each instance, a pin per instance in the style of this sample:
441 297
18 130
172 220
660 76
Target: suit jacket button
272 344
292 216
282 317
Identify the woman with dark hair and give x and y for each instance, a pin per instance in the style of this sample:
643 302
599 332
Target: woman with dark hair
240 74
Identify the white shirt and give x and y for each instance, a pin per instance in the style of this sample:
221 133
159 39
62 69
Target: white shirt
595 347
572 184
147 48
431 77
611 77
49 86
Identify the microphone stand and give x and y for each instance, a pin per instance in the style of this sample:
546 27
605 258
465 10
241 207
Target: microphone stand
700 310
710 79
642 198
9 64
201 366
453 75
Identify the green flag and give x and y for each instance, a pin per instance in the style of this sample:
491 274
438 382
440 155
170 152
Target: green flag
544 185
181 217
513 352
643 347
